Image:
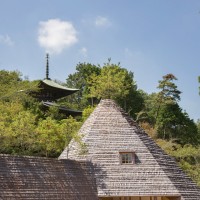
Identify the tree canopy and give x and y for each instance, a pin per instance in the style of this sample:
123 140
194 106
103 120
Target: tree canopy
109 81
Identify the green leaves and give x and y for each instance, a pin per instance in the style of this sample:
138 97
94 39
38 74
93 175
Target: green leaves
109 81
53 136
22 133
16 129
169 91
173 123
24 128
112 83
187 156
79 80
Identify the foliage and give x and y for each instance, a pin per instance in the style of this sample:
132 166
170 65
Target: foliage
54 136
172 123
80 80
198 126
22 133
169 93
26 130
86 112
169 90
10 81
150 130
115 82
164 114
187 156
16 129
112 83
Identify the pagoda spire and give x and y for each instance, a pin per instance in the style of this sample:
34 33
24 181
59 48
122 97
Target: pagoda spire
47 66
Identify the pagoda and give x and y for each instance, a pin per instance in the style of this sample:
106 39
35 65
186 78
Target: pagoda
50 91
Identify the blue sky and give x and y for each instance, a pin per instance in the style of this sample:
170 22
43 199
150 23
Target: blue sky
148 37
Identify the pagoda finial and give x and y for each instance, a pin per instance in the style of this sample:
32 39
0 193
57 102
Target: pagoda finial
47 66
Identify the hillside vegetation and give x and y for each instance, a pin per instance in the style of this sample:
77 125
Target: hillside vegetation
25 129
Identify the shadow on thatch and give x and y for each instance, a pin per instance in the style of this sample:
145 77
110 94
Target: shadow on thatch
43 178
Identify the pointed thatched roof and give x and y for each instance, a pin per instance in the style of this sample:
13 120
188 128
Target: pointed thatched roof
108 132
45 178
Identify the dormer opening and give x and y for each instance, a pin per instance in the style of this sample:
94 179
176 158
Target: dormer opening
127 157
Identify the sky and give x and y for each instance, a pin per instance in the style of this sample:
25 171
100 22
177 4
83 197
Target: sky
151 38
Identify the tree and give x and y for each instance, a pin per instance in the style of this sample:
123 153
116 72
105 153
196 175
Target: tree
24 128
54 136
115 82
109 81
198 125
112 83
169 92
9 81
16 129
79 80
173 123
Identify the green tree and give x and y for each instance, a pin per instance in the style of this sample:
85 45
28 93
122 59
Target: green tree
9 82
173 123
79 80
86 112
115 82
16 129
109 81
14 89
198 125
169 92
54 136
187 156
112 83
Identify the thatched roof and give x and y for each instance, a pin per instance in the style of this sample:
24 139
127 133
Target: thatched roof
109 131
45 178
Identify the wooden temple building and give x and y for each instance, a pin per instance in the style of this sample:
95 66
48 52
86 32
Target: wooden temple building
50 91
118 161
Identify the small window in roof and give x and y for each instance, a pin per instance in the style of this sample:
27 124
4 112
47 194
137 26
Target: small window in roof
127 157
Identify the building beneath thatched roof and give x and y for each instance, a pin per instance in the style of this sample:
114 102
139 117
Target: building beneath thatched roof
128 163
116 160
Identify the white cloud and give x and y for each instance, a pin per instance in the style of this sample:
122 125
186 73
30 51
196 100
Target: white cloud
5 39
102 22
55 35
84 51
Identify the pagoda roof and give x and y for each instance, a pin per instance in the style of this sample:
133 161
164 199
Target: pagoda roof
51 91
107 133
63 109
53 84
